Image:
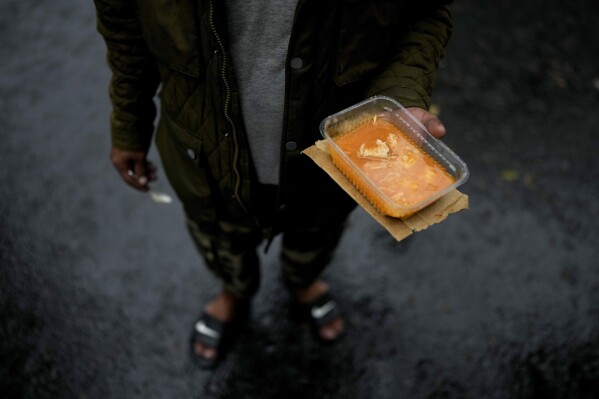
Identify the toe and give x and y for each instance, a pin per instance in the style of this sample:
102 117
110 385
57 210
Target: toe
205 351
332 330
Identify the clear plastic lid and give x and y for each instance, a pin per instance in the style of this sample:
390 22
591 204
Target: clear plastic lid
385 108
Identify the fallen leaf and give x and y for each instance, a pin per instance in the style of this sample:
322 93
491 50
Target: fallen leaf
509 175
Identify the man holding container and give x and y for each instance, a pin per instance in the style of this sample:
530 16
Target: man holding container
243 88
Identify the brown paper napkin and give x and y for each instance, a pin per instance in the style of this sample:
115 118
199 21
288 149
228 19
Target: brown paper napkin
452 202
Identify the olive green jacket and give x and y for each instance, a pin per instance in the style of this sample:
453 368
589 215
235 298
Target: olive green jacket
340 52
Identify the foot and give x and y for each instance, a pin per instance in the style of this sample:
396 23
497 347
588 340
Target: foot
223 308
332 330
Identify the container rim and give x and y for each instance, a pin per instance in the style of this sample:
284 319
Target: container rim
461 169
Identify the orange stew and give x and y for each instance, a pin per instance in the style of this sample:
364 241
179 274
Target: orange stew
393 163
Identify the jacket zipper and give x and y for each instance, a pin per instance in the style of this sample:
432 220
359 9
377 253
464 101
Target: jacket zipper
227 110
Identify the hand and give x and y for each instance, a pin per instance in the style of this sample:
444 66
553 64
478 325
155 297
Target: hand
430 121
133 167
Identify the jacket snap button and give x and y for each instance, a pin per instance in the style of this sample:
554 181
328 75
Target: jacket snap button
291 146
191 153
296 63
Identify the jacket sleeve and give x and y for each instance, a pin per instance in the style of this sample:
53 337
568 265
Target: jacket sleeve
411 73
135 75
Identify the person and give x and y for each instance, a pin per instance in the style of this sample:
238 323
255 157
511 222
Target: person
243 88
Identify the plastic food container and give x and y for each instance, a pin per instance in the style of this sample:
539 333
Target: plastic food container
390 157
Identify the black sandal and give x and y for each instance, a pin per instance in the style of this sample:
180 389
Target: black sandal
216 334
321 311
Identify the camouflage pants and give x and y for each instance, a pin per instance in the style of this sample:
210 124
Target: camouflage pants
311 225
230 252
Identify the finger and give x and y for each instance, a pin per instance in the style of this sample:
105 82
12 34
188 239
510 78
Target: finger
127 164
132 179
127 174
140 171
431 122
435 127
152 176
151 171
150 167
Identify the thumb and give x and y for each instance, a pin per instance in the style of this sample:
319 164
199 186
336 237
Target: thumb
435 127
430 121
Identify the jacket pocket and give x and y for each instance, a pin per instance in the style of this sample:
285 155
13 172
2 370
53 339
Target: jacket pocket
170 29
185 167
366 35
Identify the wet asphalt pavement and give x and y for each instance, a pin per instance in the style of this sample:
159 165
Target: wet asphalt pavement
100 286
